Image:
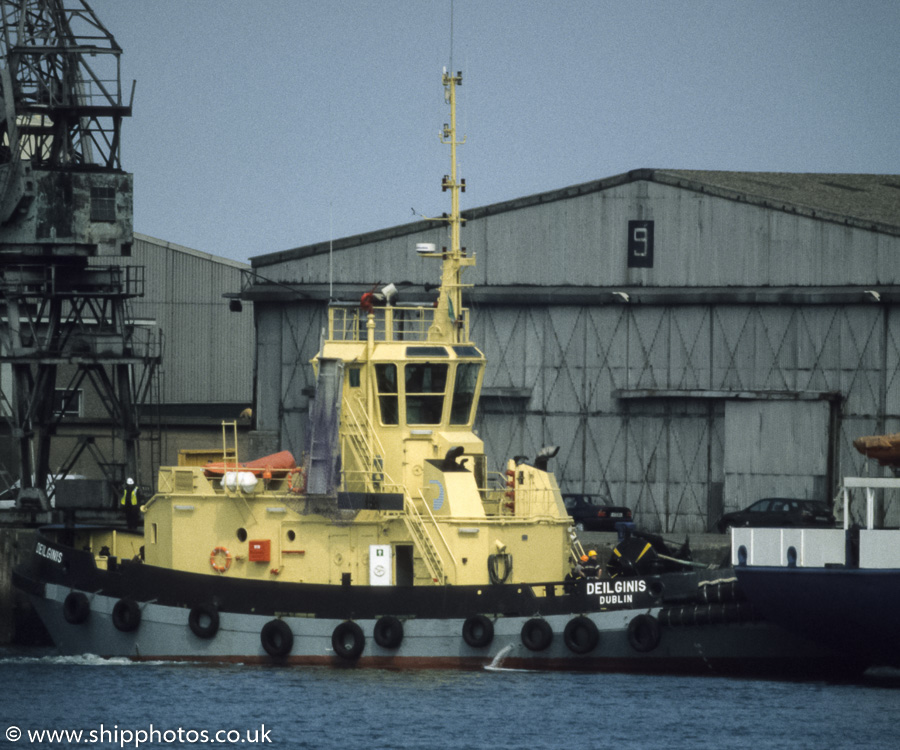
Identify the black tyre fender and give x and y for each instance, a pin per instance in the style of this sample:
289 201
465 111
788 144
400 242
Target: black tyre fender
644 633
76 608
478 631
277 638
126 615
581 635
536 634
348 640
204 620
388 632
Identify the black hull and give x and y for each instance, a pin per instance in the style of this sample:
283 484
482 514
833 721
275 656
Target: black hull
854 611
660 624
173 588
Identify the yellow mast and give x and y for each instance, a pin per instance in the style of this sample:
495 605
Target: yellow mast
448 315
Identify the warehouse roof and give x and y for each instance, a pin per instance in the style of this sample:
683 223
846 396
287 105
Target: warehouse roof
866 198
867 201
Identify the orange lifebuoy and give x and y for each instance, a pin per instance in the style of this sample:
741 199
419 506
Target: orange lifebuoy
214 560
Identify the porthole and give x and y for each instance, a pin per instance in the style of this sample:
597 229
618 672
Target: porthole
242 534
291 535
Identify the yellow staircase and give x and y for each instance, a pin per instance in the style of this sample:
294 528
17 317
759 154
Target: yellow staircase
419 533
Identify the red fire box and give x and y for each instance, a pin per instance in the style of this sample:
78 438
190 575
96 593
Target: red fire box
260 550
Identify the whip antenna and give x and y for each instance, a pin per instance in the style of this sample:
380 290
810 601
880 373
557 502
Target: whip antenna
451 35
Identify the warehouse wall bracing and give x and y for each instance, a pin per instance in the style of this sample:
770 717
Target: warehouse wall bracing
209 350
763 338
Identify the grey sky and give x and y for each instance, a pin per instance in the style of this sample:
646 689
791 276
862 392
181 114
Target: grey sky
261 125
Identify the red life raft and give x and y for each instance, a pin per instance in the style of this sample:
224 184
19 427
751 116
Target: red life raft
278 465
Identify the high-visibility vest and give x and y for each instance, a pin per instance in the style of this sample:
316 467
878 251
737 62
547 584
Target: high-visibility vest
134 500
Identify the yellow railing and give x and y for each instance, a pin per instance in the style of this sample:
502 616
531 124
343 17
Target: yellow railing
361 438
535 502
429 553
391 323
527 502
418 529
434 523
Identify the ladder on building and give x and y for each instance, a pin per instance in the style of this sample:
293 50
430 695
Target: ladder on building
322 453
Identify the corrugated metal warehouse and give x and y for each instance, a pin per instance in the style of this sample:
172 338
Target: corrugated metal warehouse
206 375
208 350
692 340
206 371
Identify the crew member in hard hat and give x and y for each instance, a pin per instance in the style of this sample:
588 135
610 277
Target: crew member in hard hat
130 503
576 574
579 566
592 566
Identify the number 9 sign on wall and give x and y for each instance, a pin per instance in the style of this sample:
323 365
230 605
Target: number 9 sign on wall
640 244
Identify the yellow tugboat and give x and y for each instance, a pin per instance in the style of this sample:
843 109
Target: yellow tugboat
388 543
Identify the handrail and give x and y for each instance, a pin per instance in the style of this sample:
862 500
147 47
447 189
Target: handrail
530 502
540 500
360 435
430 553
360 449
437 528
869 484
391 323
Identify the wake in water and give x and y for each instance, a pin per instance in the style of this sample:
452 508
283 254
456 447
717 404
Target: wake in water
498 659
496 664
47 656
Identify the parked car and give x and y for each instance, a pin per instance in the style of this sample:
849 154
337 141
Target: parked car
778 511
591 514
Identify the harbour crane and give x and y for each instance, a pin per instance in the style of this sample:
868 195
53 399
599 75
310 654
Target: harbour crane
65 205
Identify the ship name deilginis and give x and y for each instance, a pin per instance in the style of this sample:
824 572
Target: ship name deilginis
49 553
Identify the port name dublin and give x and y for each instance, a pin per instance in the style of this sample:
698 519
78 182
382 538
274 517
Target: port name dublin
616 592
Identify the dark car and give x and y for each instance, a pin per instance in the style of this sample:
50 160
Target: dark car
590 513
778 511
